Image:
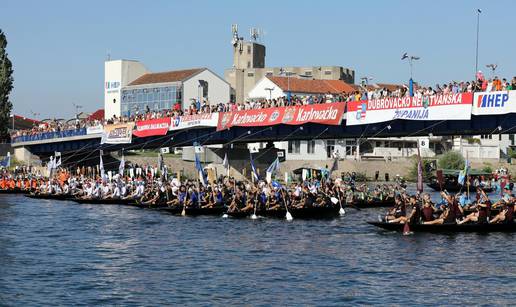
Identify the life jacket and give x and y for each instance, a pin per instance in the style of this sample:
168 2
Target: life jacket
12 184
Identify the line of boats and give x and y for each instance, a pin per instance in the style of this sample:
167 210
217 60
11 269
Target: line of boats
330 209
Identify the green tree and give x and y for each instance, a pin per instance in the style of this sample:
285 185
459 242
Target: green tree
451 160
6 85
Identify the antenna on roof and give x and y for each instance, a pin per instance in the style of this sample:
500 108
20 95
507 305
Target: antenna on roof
108 57
254 33
234 32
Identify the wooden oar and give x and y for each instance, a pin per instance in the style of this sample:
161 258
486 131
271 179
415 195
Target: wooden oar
288 216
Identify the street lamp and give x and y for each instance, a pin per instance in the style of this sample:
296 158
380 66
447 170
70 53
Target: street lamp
478 28
288 74
410 59
270 89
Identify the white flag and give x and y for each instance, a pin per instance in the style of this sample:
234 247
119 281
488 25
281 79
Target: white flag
121 168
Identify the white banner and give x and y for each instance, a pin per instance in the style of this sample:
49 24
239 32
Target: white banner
194 121
492 103
439 107
95 129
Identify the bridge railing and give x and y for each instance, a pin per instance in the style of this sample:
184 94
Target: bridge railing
49 135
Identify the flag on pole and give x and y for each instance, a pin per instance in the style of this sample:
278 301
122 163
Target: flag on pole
202 174
254 172
419 172
102 173
6 162
50 166
335 166
464 173
121 167
225 163
160 162
272 169
57 163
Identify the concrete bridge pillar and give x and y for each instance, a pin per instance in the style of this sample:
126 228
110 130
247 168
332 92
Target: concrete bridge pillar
23 155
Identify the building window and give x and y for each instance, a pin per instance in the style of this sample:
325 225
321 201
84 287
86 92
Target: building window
486 136
248 49
269 73
330 148
248 64
250 74
310 147
294 147
327 72
308 73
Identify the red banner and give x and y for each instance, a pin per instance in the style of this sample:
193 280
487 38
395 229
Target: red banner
152 127
326 113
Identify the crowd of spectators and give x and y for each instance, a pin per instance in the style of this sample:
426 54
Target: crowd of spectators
365 92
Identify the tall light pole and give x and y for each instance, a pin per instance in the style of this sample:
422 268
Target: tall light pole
478 28
410 58
288 74
270 89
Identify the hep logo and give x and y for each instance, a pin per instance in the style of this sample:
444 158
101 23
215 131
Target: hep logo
492 100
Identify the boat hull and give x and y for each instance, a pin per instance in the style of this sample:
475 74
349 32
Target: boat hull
449 228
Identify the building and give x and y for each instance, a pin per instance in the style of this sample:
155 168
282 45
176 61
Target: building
270 87
249 68
131 88
486 146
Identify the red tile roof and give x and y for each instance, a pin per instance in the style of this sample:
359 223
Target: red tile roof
167 76
298 85
97 115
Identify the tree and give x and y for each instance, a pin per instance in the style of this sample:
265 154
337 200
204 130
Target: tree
451 160
6 85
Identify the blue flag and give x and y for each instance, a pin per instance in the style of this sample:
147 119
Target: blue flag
254 172
6 162
202 174
272 169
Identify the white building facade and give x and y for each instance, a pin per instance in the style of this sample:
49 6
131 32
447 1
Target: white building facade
130 88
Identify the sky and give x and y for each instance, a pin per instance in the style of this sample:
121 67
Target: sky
58 47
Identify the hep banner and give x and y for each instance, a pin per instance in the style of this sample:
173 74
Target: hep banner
327 113
194 121
117 133
151 127
438 107
492 103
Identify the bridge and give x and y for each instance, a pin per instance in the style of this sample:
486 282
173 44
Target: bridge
79 141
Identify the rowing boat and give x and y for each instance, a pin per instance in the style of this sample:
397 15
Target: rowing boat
51 196
449 228
14 191
110 201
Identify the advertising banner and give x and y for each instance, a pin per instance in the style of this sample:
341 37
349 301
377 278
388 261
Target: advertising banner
194 121
492 103
327 113
117 133
438 107
95 129
151 127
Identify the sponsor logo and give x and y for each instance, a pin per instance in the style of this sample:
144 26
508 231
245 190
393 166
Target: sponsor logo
274 116
225 119
111 85
177 121
361 111
289 115
497 100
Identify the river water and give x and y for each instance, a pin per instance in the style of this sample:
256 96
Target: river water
63 253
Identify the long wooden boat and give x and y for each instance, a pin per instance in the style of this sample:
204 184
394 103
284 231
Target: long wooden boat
297 213
449 228
450 187
14 191
105 201
371 204
51 196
